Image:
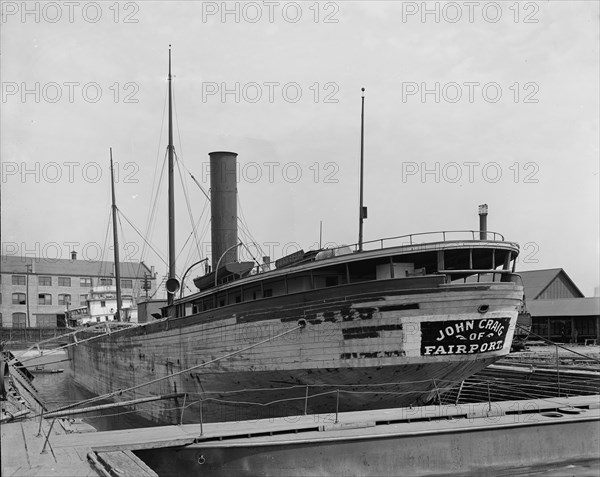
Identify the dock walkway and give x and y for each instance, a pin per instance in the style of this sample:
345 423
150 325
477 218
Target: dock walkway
27 452
405 421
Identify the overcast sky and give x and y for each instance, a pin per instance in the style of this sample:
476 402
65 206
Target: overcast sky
466 103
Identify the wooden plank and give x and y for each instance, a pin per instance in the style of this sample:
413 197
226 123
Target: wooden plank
142 438
140 463
122 463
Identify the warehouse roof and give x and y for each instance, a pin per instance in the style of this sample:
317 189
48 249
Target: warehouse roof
536 281
78 268
565 307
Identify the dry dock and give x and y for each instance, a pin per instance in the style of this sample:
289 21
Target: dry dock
464 438
28 439
406 441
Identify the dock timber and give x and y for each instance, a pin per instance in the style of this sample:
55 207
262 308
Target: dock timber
383 442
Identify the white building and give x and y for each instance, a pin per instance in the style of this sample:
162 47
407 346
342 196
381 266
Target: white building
102 306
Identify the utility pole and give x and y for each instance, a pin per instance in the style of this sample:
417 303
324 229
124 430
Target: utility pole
29 269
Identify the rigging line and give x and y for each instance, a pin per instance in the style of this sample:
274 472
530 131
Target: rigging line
122 241
244 222
180 164
251 241
142 237
181 143
156 162
68 345
244 229
181 147
107 211
250 253
206 194
187 370
103 263
199 185
196 226
152 218
187 202
176 119
557 345
158 286
152 223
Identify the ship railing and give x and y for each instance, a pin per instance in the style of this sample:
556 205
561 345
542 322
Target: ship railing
421 238
425 237
469 275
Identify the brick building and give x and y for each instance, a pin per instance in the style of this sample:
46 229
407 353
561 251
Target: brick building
36 292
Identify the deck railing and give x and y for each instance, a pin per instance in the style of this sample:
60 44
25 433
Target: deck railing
427 237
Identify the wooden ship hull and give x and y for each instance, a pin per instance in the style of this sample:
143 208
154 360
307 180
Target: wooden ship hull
391 343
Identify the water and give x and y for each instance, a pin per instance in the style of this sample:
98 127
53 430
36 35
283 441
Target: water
59 389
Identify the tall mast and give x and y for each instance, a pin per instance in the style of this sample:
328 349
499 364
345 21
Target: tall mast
170 150
115 240
362 212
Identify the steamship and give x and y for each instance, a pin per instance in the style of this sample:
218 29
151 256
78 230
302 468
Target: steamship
387 323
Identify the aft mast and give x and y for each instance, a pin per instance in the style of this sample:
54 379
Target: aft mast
170 150
115 240
362 212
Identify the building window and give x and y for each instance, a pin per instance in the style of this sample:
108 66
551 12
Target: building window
85 282
106 281
126 284
64 281
64 299
82 299
19 299
268 293
18 279
102 303
0 304
19 320
45 281
44 299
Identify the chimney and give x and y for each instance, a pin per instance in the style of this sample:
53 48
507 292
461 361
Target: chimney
483 212
223 205
73 255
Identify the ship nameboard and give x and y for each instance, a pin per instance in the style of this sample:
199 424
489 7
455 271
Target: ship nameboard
463 337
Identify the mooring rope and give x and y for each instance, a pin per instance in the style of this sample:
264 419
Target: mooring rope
560 346
74 343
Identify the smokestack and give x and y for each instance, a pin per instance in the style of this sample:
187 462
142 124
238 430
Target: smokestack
483 212
223 206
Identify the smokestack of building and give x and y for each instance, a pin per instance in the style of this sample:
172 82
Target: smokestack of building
223 198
